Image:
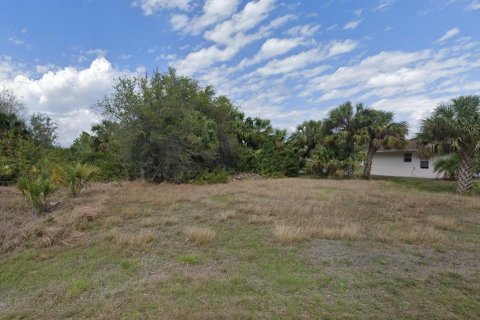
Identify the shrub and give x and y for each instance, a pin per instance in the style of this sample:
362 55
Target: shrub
36 187
212 177
75 177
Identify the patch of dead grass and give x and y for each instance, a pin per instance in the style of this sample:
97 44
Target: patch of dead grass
200 235
226 215
349 231
289 234
127 238
409 233
443 223
260 219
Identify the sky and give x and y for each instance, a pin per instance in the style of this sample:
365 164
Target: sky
287 61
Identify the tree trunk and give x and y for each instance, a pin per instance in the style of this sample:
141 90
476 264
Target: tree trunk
465 174
351 153
367 169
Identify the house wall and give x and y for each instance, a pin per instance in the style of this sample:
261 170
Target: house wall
391 163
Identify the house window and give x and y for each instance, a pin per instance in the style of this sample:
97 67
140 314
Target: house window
423 164
407 157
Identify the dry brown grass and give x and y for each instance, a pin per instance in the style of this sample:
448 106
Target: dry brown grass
289 234
409 233
260 219
226 214
444 223
131 237
349 231
200 235
126 238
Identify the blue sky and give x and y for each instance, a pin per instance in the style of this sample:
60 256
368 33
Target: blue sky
288 61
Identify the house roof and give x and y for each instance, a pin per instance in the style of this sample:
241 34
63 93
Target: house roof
411 145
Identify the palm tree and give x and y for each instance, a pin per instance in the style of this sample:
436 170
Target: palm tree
455 128
308 135
344 123
380 132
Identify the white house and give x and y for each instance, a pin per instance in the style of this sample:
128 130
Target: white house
403 163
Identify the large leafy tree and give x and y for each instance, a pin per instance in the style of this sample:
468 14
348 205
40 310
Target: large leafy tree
380 131
343 124
455 128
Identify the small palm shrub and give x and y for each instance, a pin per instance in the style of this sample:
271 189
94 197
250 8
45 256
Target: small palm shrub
75 177
447 167
36 187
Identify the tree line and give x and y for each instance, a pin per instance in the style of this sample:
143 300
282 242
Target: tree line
167 127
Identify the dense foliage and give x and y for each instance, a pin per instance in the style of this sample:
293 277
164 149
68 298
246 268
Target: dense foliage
167 127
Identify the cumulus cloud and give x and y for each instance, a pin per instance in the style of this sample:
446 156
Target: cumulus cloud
66 94
449 34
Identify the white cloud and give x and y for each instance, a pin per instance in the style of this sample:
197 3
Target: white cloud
352 24
149 7
307 30
179 21
358 12
227 32
66 94
396 74
230 36
214 11
384 5
204 58
473 5
339 47
449 34
302 59
274 47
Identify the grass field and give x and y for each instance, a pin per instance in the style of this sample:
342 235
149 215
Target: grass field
268 249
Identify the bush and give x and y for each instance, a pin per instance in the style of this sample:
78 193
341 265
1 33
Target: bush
212 177
36 187
75 177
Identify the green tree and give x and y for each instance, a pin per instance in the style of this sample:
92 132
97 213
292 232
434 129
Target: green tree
307 137
455 128
343 124
380 131
9 102
43 130
167 126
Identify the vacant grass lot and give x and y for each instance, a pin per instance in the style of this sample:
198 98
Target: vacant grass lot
284 248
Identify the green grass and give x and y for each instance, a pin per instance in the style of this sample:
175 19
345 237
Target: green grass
421 184
189 259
